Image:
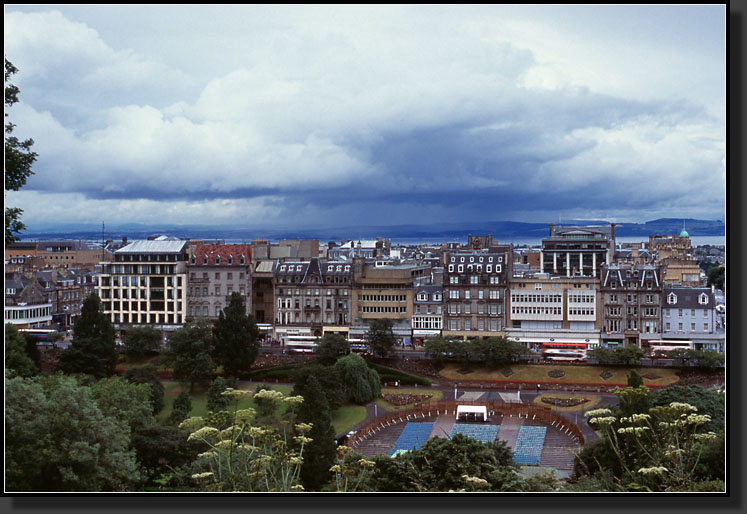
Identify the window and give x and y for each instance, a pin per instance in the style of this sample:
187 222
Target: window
451 268
494 294
466 294
454 293
473 279
672 299
461 268
703 299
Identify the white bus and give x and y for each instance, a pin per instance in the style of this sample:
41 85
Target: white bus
571 352
300 344
661 348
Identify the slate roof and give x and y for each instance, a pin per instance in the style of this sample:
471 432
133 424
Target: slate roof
687 297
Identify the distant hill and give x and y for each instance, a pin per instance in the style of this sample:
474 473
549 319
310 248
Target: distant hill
501 230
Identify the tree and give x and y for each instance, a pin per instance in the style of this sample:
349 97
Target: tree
707 402
458 463
216 401
319 453
380 336
58 439
716 276
629 355
437 349
148 375
17 361
330 347
142 340
634 379
362 384
329 379
189 352
708 359
18 159
93 350
499 351
236 338
181 409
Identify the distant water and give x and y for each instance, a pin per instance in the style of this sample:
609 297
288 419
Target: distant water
535 243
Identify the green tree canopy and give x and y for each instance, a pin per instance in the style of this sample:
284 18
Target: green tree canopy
148 375
442 464
319 454
716 276
330 347
236 338
18 159
58 439
705 400
17 361
93 350
142 340
216 401
362 384
190 352
380 336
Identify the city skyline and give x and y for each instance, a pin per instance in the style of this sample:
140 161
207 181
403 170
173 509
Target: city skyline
343 115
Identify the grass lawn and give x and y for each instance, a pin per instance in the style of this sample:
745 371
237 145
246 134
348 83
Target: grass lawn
539 373
199 397
436 395
593 400
347 416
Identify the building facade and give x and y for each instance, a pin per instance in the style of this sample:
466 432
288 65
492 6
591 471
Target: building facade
474 290
689 314
545 309
146 284
631 298
577 251
312 297
215 272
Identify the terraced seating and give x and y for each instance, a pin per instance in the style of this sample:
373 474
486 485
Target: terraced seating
413 436
529 443
484 433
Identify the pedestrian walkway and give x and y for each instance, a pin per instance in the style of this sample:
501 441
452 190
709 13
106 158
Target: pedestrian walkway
510 397
509 431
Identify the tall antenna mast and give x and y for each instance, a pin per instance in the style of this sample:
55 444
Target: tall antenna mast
102 242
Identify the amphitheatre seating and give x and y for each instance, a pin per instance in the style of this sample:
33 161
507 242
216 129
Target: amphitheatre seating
529 443
484 433
413 436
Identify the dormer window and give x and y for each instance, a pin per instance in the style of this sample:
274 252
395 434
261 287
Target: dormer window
230 259
703 299
242 259
193 259
671 299
217 259
282 267
205 260
298 267
422 297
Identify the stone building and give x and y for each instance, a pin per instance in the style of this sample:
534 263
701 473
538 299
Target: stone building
631 304
215 272
475 285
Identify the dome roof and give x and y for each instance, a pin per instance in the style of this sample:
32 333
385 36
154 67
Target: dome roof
684 233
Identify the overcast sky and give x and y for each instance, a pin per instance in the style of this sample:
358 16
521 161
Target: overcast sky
326 116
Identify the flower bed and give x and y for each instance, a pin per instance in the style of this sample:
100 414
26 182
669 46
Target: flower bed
556 373
563 402
406 399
